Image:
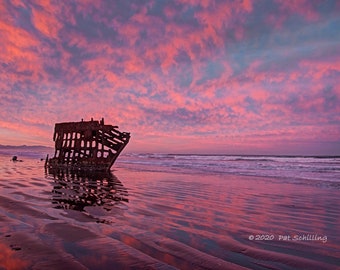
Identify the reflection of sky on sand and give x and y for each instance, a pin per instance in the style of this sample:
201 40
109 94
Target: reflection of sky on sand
10 259
171 220
95 194
216 214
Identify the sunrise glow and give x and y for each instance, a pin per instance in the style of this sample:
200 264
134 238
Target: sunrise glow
231 77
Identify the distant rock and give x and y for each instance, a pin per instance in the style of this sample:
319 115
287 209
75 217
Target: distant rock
15 159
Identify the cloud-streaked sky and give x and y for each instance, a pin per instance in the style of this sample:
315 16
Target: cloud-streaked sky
209 76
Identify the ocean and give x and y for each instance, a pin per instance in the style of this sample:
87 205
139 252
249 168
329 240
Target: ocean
170 211
314 169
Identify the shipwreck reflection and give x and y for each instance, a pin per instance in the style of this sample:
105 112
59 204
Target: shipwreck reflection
79 190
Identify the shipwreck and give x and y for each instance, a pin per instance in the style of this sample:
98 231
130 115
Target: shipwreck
86 145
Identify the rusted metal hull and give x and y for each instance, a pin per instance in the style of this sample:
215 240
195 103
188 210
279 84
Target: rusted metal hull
87 145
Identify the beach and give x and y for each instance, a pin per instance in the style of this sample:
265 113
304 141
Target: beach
147 214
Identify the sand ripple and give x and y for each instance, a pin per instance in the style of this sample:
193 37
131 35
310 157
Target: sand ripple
160 220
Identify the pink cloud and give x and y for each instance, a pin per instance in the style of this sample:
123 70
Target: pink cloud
46 24
199 75
304 8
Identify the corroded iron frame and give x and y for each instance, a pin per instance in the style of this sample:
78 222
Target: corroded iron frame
87 145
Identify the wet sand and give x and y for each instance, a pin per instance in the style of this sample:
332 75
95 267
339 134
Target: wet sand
144 219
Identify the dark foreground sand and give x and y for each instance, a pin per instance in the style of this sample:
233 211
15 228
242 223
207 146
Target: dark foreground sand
142 219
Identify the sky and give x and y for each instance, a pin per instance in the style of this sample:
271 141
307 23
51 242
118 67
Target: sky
183 76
